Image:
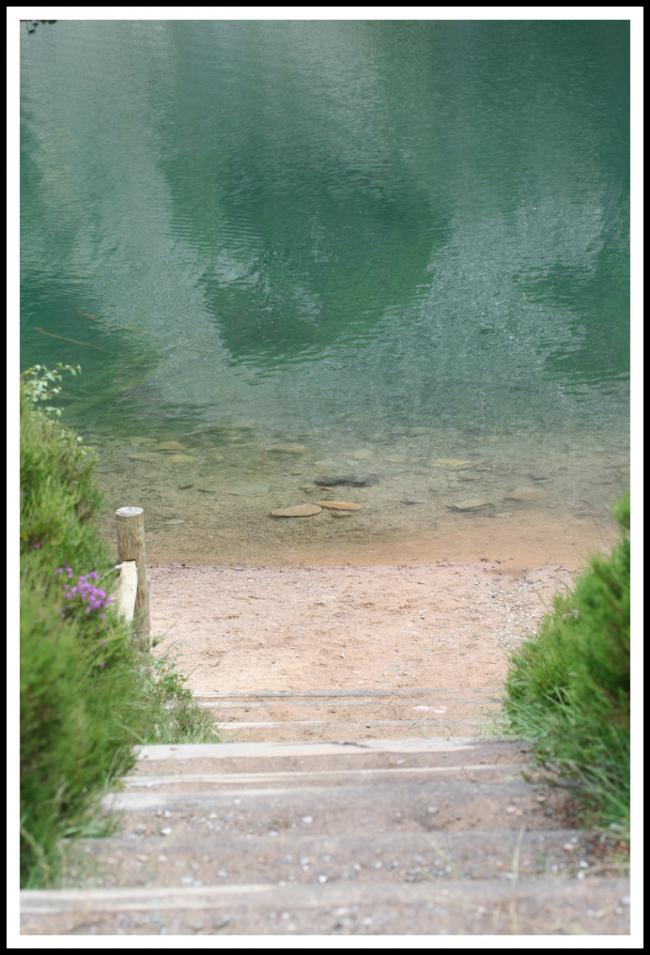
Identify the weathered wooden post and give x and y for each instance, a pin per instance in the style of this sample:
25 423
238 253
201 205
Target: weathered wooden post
130 547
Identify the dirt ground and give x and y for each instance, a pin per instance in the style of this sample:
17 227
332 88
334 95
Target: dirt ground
444 624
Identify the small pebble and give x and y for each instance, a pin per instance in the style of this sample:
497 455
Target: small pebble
166 831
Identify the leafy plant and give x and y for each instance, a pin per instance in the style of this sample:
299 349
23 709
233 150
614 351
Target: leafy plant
568 688
87 693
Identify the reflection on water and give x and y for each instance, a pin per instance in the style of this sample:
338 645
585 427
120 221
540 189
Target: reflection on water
408 239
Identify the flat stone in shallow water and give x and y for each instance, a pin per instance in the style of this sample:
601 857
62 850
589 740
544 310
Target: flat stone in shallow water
300 510
288 449
143 457
248 490
477 504
170 446
452 463
526 494
339 505
347 479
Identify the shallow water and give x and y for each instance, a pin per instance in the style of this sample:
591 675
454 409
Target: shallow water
397 245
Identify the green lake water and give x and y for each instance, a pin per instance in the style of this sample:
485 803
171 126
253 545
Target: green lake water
400 246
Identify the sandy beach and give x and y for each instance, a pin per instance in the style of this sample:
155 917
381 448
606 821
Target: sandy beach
447 624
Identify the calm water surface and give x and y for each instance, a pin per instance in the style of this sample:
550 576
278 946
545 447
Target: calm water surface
402 247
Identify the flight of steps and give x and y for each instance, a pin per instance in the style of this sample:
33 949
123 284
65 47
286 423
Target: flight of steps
338 812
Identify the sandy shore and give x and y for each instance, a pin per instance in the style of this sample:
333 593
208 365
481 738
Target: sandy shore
443 624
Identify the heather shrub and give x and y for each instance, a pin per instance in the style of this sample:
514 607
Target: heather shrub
87 694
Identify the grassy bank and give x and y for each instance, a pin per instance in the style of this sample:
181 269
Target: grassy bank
87 694
569 686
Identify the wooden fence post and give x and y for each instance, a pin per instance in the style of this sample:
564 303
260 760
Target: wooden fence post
130 547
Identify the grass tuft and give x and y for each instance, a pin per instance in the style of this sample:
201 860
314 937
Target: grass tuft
568 689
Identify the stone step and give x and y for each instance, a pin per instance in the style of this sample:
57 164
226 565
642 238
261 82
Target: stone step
216 781
349 693
351 714
339 730
206 856
268 757
490 907
345 709
398 805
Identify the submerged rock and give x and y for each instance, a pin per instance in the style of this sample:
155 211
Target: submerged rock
288 449
253 489
145 458
299 510
363 454
477 504
180 458
348 480
339 505
170 446
453 464
526 494
139 439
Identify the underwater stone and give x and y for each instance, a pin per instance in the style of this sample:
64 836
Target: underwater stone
170 446
348 480
473 505
339 505
526 494
300 510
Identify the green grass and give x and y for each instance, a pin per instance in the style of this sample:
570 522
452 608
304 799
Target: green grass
568 688
88 695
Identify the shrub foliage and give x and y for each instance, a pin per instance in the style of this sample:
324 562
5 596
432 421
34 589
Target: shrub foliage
569 686
87 693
